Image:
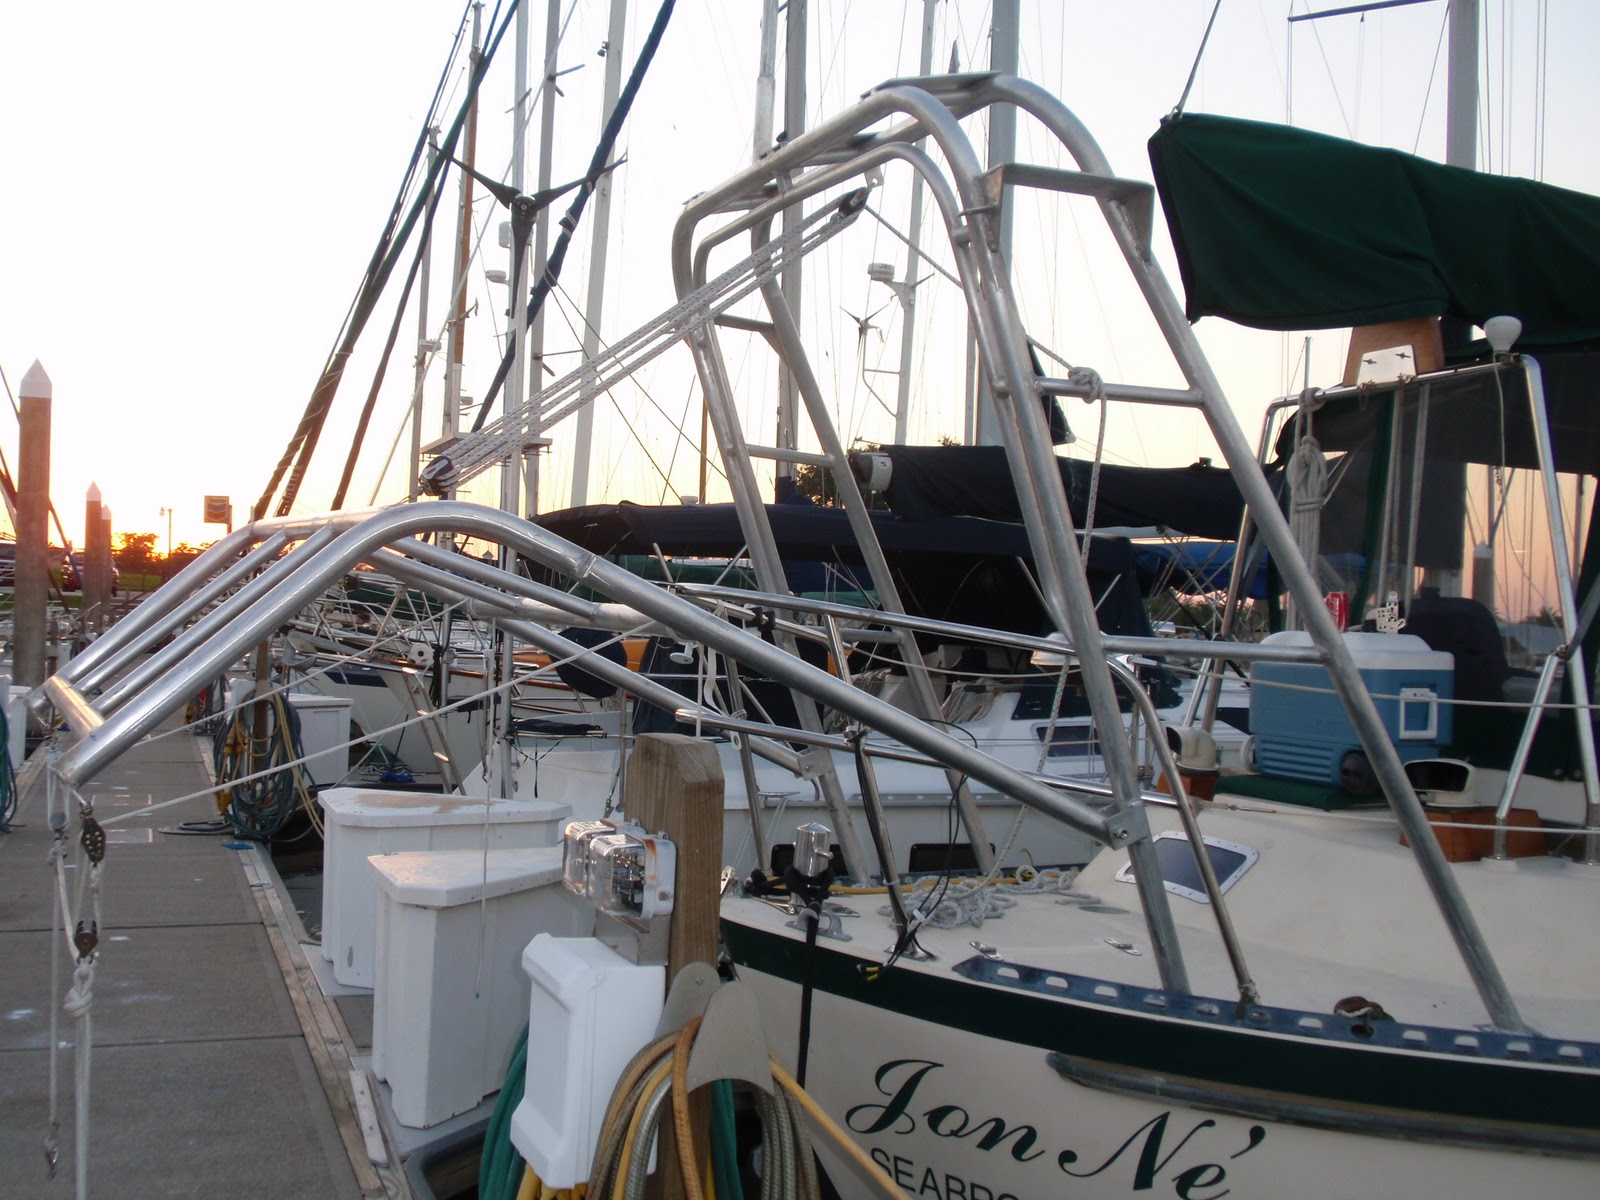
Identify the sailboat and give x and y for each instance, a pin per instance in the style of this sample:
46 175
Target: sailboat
1317 1003
1160 1019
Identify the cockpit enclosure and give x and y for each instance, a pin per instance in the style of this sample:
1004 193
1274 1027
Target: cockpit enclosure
1444 496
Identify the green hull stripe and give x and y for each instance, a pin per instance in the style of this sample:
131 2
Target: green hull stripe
1448 1087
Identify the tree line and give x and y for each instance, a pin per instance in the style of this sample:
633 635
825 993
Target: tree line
136 554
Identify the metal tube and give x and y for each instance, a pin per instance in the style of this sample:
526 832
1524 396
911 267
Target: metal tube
1275 532
1238 651
163 696
747 768
179 610
164 601
1418 460
1577 676
1248 992
79 713
788 337
251 594
1519 761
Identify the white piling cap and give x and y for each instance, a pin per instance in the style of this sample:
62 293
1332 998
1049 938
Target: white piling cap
36 384
93 494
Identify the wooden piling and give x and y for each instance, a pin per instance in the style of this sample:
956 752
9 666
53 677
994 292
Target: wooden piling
675 787
94 579
31 579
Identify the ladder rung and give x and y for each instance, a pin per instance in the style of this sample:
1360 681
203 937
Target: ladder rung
1136 197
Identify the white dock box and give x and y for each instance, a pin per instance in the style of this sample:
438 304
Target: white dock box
361 822
590 1012
451 994
324 724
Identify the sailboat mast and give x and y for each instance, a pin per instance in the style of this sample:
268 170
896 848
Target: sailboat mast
600 228
982 420
424 346
1461 97
511 474
1461 150
458 284
541 229
790 281
906 293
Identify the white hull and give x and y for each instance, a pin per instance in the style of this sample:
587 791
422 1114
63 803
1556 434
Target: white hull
982 1118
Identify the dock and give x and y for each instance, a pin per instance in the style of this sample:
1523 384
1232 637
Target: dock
218 1065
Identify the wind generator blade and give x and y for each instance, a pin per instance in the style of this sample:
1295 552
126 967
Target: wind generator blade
510 197
502 192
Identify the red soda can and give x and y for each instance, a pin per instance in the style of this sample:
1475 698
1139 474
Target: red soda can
1339 605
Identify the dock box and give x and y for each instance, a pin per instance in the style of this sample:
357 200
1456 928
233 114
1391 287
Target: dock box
361 822
1299 723
451 994
324 736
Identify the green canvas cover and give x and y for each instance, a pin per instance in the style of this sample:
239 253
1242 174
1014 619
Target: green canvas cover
1278 228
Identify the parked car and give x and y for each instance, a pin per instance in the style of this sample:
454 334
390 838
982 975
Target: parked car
75 569
60 565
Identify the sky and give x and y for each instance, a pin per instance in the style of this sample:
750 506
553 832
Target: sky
190 193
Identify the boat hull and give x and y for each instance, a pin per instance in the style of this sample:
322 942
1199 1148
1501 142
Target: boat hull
971 1083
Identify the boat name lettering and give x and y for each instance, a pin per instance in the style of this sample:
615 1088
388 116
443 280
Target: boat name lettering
944 1120
900 1080
930 1183
1186 1183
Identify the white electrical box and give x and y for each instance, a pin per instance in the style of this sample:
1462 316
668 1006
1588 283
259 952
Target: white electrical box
590 1012
324 736
451 994
361 822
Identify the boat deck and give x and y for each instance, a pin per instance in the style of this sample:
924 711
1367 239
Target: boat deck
218 1067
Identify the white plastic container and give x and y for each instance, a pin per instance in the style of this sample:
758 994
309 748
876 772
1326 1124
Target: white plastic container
451 994
324 724
361 822
16 720
590 1012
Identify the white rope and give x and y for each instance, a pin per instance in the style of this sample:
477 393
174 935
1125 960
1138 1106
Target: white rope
949 903
79 999
1308 482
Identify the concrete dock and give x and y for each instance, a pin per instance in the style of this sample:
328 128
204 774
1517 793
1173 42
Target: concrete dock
218 1067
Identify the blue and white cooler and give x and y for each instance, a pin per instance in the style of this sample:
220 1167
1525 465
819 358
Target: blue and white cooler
1300 726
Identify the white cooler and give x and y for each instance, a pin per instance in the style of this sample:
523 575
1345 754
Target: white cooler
451 995
361 822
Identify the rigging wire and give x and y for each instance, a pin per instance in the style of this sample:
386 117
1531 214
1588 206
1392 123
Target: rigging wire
1433 71
1541 85
599 163
303 442
1327 66
424 245
1194 70
574 319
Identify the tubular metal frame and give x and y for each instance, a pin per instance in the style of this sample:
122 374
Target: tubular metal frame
829 154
